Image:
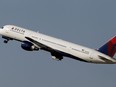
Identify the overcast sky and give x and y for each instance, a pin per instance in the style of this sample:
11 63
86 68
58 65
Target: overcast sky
87 22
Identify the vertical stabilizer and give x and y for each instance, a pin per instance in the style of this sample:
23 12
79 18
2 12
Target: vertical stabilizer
109 48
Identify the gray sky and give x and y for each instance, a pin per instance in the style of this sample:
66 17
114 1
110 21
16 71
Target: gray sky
87 22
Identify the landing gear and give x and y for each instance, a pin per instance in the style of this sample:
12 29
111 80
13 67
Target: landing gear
6 41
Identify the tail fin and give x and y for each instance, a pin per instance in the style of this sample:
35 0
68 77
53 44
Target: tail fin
109 48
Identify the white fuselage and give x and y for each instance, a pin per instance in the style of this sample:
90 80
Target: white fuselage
66 48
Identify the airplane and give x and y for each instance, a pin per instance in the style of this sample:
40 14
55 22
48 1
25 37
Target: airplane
34 41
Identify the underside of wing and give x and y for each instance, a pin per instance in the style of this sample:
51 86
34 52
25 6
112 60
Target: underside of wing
55 54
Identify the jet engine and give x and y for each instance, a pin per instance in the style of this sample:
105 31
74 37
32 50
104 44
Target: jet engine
28 46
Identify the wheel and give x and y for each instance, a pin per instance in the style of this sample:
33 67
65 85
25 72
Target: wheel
5 41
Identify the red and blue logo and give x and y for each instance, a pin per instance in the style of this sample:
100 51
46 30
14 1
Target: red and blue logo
109 48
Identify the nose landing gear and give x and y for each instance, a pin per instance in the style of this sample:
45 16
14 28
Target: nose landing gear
6 41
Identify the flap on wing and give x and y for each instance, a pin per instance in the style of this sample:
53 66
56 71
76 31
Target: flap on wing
35 42
41 45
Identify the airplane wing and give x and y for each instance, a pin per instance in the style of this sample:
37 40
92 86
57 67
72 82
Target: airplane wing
55 54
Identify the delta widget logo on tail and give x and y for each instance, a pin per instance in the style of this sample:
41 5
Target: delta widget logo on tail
109 48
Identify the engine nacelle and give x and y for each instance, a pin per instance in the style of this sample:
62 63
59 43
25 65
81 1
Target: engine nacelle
28 46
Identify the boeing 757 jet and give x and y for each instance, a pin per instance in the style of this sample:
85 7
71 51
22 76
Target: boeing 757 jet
34 41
